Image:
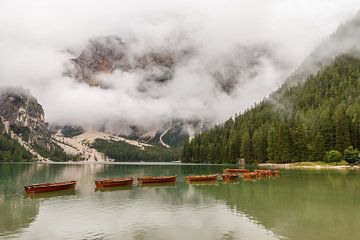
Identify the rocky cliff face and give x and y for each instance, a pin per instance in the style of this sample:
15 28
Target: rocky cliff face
110 53
23 116
155 67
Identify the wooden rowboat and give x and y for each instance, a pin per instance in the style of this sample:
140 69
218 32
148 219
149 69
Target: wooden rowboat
250 175
50 187
264 173
235 170
230 176
156 179
114 182
212 177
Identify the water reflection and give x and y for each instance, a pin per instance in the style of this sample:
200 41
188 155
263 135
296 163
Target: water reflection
115 188
15 212
47 195
203 183
154 185
298 205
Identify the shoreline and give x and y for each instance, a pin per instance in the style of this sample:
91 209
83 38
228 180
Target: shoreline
306 165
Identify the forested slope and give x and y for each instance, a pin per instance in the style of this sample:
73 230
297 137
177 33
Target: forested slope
300 123
11 151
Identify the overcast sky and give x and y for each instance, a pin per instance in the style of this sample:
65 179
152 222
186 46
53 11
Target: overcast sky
35 37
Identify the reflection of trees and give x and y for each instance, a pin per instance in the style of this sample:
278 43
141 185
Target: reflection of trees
303 205
16 211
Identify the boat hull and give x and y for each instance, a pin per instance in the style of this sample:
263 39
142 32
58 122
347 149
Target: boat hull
250 175
50 187
266 173
230 176
213 177
116 182
160 179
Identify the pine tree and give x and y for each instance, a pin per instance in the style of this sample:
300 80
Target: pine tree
246 151
271 143
342 129
259 141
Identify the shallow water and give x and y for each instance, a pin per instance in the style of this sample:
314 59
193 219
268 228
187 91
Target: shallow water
300 204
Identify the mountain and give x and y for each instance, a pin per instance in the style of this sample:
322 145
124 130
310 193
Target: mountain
21 114
110 53
344 41
25 136
22 117
152 68
22 122
314 117
314 111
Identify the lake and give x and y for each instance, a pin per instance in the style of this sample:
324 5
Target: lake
300 204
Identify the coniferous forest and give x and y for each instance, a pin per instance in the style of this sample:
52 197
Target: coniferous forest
121 151
318 120
12 151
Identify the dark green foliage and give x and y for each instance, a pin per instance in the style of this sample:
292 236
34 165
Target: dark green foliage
122 151
11 151
333 156
24 132
246 149
71 131
175 137
299 123
351 155
56 154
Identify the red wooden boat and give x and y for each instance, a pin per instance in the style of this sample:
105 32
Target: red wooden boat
114 182
230 176
156 179
50 187
235 170
261 173
264 173
250 175
212 177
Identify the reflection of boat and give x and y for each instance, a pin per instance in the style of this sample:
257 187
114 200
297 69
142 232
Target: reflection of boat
250 175
114 182
235 170
115 188
211 177
160 184
230 176
156 179
204 183
44 195
233 181
50 187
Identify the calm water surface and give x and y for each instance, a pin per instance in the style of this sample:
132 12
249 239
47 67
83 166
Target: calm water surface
300 204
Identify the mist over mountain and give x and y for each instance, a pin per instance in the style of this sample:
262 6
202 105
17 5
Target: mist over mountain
148 65
344 41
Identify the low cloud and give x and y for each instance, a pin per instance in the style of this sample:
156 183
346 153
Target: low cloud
239 51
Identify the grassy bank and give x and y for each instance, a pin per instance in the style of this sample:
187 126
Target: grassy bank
313 165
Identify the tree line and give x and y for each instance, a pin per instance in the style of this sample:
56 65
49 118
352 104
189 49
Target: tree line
12 151
310 121
122 151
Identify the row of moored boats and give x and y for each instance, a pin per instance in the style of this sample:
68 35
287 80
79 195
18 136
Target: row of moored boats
228 175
